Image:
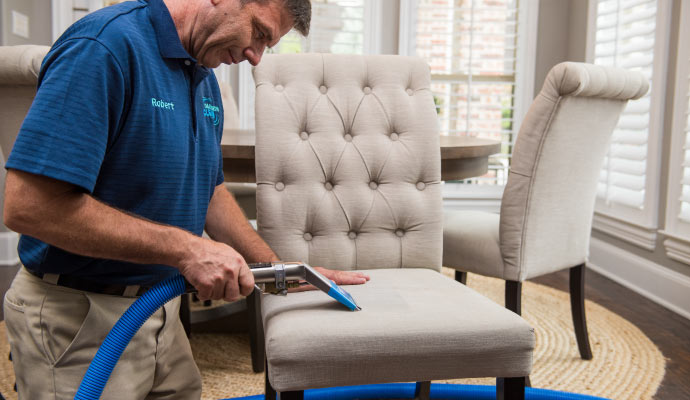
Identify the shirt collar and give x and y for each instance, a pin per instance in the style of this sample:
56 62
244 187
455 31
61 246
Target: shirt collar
168 40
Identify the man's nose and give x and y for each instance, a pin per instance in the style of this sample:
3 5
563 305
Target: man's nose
254 56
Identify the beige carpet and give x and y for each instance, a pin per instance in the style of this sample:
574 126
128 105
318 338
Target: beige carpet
626 364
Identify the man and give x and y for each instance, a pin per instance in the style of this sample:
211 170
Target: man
116 172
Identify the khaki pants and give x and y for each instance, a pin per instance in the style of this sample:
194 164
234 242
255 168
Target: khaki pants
54 332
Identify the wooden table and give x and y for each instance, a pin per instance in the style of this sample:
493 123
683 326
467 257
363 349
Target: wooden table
461 156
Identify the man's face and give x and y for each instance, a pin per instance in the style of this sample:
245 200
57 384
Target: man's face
229 33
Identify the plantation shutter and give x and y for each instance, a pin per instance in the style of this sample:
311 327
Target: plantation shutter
471 46
625 37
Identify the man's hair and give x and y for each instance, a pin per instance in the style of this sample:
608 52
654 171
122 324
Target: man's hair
300 10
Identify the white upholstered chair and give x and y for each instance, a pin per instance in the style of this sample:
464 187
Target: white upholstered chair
547 207
348 174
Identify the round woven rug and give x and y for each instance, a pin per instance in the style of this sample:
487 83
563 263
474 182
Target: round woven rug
626 364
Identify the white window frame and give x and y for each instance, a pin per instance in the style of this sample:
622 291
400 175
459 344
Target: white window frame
639 227
63 17
373 22
677 232
485 197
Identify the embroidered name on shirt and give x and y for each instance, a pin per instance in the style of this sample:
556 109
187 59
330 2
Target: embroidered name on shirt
162 104
211 111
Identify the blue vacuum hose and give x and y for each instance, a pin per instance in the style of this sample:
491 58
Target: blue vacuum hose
113 346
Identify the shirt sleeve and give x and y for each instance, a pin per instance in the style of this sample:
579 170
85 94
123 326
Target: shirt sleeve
77 108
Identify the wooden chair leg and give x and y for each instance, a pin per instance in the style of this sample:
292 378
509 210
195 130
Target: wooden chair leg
422 390
292 395
510 388
186 314
513 296
256 331
577 307
269 392
461 277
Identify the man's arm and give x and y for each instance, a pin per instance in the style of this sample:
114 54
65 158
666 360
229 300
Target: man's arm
225 222
63 215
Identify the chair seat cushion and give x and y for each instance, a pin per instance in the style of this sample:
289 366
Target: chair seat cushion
471 242
449 330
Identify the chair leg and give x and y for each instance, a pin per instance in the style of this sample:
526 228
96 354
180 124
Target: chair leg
422 390
292 395
256 331
185 315
577 307
269 392
510 388
513 296
461 277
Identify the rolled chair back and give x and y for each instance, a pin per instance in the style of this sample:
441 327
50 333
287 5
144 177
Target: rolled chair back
548 202
348 161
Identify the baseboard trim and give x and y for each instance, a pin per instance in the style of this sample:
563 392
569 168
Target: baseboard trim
651 280
8 248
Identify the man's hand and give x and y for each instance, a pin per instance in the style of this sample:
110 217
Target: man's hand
339 277
217 271
343 277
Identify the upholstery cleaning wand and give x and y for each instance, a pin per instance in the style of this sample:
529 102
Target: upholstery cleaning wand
275 278
278 277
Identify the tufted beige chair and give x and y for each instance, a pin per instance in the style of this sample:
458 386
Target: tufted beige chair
348 173
548 203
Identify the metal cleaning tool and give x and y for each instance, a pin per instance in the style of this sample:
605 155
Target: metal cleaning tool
278 277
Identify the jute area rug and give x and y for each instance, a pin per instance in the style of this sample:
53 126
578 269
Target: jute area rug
626 364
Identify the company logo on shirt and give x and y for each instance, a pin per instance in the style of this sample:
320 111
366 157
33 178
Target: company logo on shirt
166 105
211 111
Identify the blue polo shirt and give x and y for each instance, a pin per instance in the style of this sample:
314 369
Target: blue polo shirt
123 112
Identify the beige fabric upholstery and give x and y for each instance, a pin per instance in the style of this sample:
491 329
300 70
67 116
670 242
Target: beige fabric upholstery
348 166
416 325
348 170
548 203
19 67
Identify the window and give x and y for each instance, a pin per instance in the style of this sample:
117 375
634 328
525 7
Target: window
678 202
632 34
337 26
477 51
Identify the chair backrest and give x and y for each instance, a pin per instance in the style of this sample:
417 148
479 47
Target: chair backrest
348 161
548 203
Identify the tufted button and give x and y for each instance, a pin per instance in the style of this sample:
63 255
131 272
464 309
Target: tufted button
187 63
409 92
373 185
307 236
280 186
367 90
394 136
399 233
279 88
351 235
421 185
329 186
323 89
304 135
347 137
